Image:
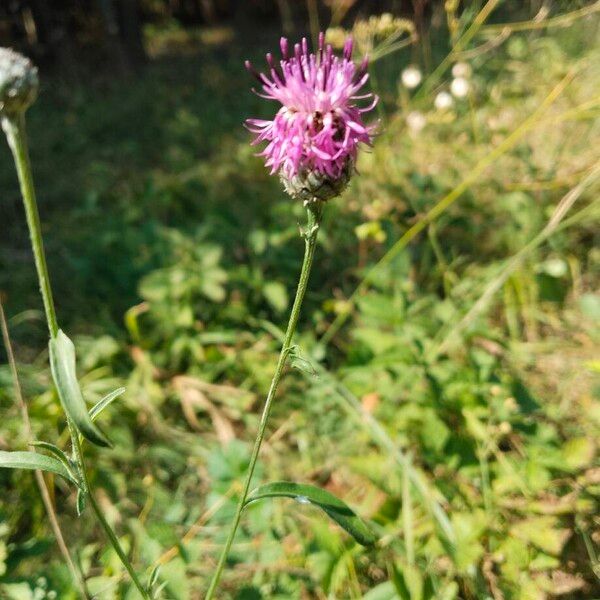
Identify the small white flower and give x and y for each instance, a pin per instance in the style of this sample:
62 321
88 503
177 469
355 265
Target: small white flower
459 87
415 121
443 101
461 69
411 77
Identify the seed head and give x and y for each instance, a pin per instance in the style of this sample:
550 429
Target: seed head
313 140
18 82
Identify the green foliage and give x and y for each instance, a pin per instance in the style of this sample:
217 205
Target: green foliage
491 411
62 364
33 461
337 510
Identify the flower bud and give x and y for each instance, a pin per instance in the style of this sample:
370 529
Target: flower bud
310 186
18 82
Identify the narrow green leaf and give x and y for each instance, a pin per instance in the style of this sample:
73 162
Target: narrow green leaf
153 579
62 363
337 510
58 453
81 502
300 362
106 401
34 462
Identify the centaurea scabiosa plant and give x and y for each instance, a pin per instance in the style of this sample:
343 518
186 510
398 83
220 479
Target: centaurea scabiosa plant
312 143
18 90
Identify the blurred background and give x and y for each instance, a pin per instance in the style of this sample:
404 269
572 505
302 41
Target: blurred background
450 393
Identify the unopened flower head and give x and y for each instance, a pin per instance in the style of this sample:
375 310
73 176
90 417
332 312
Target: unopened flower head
313 140
18 82
411 77
443 101
460 87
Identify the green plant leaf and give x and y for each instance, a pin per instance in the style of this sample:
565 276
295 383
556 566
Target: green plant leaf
339 511
81 502
62 363
300 362
58 454
34 462
106 401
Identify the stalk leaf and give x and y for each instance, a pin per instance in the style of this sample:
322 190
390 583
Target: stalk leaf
81 502
337 510
106 401
58 454
62 363
34 462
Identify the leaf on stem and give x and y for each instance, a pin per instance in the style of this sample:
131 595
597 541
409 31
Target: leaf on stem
34 462
337 510
300 362
58 454
105 402
62 363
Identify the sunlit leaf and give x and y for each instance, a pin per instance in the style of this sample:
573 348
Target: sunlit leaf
106 401
57 453
62 363
33 462
337 510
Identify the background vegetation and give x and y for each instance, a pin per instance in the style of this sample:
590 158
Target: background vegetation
451 325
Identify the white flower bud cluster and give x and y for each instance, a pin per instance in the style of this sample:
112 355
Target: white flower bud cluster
18 82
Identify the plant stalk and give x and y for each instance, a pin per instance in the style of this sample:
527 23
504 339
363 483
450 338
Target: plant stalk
39 476
14 127
87 489
314 211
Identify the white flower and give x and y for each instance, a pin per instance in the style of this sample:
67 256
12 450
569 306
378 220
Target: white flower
411 77
443 101
461 69
459 87
415 121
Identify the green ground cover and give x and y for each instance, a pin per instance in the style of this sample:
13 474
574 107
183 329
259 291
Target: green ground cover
452 399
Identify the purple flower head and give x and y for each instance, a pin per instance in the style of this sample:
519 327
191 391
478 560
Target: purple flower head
316 132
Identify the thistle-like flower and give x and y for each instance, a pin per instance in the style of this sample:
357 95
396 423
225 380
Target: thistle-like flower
313 140
18 82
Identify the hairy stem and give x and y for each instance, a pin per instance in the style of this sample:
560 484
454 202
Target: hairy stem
314 211
14 127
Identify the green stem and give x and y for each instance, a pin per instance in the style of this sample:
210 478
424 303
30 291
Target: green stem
14 127
314 211
87 489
